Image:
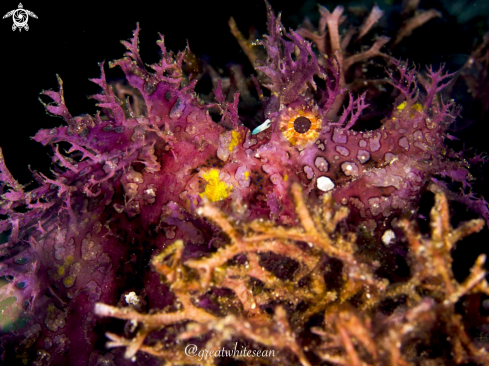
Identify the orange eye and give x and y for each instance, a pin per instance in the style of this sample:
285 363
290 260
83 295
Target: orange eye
300 127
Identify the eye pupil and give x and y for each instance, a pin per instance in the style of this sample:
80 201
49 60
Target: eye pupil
302 124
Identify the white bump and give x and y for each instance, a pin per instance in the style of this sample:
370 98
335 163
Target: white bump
388 237
363 156
309 172
343 150
404 143
132 298
349 168
321 164
325 184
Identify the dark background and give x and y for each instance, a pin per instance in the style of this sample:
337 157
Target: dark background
70 38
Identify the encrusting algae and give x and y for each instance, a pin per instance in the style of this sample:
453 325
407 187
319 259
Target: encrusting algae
215 189
323 275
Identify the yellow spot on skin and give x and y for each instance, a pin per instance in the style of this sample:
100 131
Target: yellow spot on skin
69 260
401 106
68 281
234 140
216 189
286 177
418 107
247 175
61 270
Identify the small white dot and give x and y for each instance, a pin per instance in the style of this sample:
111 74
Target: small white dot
388 237
325 184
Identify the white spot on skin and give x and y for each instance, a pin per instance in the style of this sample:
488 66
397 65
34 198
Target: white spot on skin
75 269
249 142
149 194
267 169
309 172
62 250
225 139
363 156
62 343
242 175
104 263
375 142
375 205
421 146
132 298
429 123
343 150
388 237
349 168
90 249
276 179
321 163
134 177
339 136
362 143
97 227
390 157
55 318
418 135
404 143
93 291
325 184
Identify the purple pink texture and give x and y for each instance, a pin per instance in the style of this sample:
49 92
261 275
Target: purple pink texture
88 231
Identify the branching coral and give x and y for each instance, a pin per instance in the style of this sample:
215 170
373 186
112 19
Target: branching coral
355 331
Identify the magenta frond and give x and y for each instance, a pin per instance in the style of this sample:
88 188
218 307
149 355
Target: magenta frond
435 84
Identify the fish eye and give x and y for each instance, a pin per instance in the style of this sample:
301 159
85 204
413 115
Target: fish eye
302 124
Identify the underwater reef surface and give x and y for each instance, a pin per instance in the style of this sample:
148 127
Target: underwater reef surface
279 207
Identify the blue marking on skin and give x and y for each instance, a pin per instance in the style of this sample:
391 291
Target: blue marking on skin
262 127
